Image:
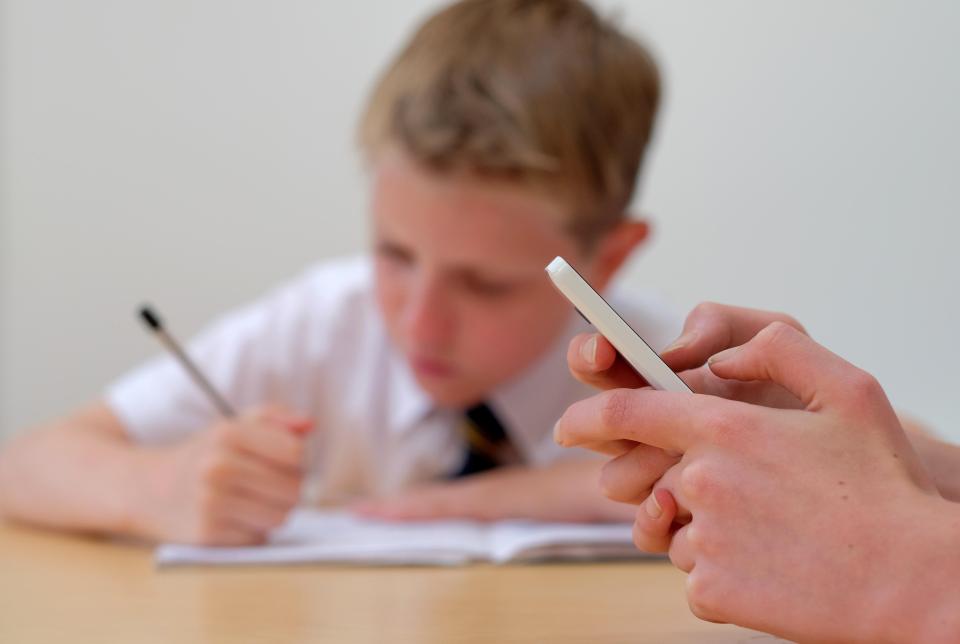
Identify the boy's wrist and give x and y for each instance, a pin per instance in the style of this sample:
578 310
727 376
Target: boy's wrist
136 506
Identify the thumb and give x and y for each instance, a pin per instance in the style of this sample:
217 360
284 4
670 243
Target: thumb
712 327
296 423
300 426
784 355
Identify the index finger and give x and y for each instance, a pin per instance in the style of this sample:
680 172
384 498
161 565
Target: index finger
711 328
668 420
272 442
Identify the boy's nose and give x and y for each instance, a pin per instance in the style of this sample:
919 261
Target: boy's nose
428 320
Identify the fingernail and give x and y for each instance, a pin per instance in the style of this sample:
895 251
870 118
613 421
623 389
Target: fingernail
556 434
682 341
652 506
723 355
588 350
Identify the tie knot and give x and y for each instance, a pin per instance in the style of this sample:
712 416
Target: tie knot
488 444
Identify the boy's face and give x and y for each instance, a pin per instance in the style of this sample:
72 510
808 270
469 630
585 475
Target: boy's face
460 276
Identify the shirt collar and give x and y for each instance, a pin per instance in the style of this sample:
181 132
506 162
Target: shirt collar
408 404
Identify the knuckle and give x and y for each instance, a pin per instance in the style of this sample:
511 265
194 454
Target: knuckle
776 333
703 538
703 597
697 482
864 388
706 310
724 429
224 435
694 537
214 469
615 408
676 559
792 322
709 317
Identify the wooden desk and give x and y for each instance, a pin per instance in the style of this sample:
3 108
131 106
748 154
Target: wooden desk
56 588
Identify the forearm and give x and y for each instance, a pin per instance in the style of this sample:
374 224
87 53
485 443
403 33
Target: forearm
925 603
64 477
941 459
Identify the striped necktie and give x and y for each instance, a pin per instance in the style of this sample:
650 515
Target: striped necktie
487 444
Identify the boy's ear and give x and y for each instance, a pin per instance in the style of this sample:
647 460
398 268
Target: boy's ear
615 247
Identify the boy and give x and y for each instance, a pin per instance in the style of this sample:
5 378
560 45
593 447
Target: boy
505 133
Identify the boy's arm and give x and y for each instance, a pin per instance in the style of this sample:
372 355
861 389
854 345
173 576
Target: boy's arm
566 491
228 484
75 473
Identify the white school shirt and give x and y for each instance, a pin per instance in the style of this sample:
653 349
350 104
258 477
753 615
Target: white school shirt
317 345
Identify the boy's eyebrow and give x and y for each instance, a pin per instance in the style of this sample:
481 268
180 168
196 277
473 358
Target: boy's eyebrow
469 270
484 273
393 247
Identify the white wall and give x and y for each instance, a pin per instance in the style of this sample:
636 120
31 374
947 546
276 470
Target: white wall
194 152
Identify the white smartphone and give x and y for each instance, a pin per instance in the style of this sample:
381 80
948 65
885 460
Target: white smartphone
608 322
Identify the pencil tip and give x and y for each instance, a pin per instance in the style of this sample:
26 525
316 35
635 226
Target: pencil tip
150 318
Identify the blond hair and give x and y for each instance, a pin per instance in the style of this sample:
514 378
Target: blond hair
544 92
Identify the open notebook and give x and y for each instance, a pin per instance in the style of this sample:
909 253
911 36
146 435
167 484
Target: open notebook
323 536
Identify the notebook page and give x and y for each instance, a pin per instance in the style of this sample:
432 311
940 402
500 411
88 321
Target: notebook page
337 537
515 541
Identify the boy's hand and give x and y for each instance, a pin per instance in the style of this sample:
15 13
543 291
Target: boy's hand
559 492
229 484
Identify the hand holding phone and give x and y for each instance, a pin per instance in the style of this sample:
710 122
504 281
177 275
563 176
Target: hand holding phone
608 322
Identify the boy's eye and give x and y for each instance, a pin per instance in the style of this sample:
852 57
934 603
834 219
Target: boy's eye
488 288
394 253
